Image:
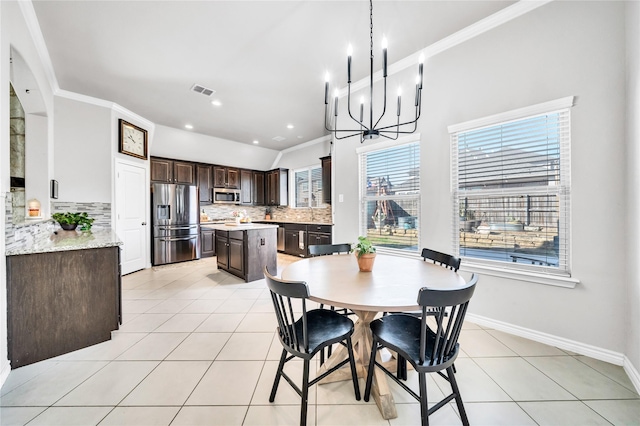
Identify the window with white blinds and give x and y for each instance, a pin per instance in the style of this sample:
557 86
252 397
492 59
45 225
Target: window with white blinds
390 196
511 186
308 187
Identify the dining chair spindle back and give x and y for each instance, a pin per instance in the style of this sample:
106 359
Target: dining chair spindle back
428 351
304 333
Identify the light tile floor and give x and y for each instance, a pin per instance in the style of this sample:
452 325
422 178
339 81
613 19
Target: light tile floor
198 347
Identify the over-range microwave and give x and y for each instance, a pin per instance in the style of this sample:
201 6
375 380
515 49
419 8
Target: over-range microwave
226 196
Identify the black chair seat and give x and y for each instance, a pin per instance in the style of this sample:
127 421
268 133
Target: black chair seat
324 328
401 333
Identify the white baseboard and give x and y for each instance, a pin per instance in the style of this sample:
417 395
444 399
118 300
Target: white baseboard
632 372
549 339
5 369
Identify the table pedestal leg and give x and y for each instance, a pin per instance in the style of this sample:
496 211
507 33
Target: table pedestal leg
362 341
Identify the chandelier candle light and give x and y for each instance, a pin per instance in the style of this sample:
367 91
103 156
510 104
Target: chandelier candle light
370 131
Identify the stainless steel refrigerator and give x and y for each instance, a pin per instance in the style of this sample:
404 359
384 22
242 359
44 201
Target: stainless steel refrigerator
176 223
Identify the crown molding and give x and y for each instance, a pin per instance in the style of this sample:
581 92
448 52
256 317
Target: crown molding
326 138
104 104
503 16
29 14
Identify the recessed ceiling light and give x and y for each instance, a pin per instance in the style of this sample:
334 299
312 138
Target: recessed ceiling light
289 126
216 103
256 142
188 126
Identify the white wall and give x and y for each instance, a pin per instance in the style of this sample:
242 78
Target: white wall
14 35
180 144
82 152
37 155
632 349
558 50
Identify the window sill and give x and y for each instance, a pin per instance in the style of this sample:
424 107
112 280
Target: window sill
546 279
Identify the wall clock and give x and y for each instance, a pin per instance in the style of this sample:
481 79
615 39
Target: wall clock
133 140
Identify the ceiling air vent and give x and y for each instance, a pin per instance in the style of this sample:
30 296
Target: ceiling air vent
279 139
202 90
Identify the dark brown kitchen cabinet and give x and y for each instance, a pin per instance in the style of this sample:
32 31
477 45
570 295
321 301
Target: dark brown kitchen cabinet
58 302
277 188
207 242
257 189
326 179
230 252
172 171
226 177
204 175
318 235
295 239
222 250
246 187
245 253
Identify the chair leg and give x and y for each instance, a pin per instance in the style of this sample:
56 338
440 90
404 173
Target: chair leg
354 373
424 407
456 391
372 364
305 393
401 367
283 357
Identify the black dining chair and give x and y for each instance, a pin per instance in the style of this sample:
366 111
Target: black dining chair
307 335
442 259
428 351
447 261
323 250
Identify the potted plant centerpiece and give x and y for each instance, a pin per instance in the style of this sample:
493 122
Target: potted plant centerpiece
366 254
70 221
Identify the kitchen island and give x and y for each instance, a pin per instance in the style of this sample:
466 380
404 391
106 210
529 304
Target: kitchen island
63 294
244 250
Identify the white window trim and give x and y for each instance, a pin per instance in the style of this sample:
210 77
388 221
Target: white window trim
487 268
405 140
516 114
292 184
415 137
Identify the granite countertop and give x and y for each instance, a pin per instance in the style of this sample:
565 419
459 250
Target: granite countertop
67 241
293 221
234 227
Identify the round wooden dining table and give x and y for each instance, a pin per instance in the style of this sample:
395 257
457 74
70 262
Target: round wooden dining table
392 286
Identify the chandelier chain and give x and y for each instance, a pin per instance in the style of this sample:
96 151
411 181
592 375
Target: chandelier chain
371 26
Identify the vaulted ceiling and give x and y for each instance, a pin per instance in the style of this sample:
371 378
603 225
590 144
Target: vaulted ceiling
265 60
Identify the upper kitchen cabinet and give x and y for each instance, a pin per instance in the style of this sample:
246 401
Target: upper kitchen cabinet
326 179
226 177
257 189
170 171
204 174
246 184
277 188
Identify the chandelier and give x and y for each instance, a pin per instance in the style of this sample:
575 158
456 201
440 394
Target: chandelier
370 131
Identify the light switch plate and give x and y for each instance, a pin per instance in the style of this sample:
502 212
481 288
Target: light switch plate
341 198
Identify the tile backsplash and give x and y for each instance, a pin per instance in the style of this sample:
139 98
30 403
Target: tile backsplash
28 231
101 212
222 212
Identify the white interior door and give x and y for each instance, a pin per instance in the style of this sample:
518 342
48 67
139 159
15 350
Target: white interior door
131 212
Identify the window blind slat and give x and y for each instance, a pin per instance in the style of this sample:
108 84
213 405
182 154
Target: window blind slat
510 192
390 196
